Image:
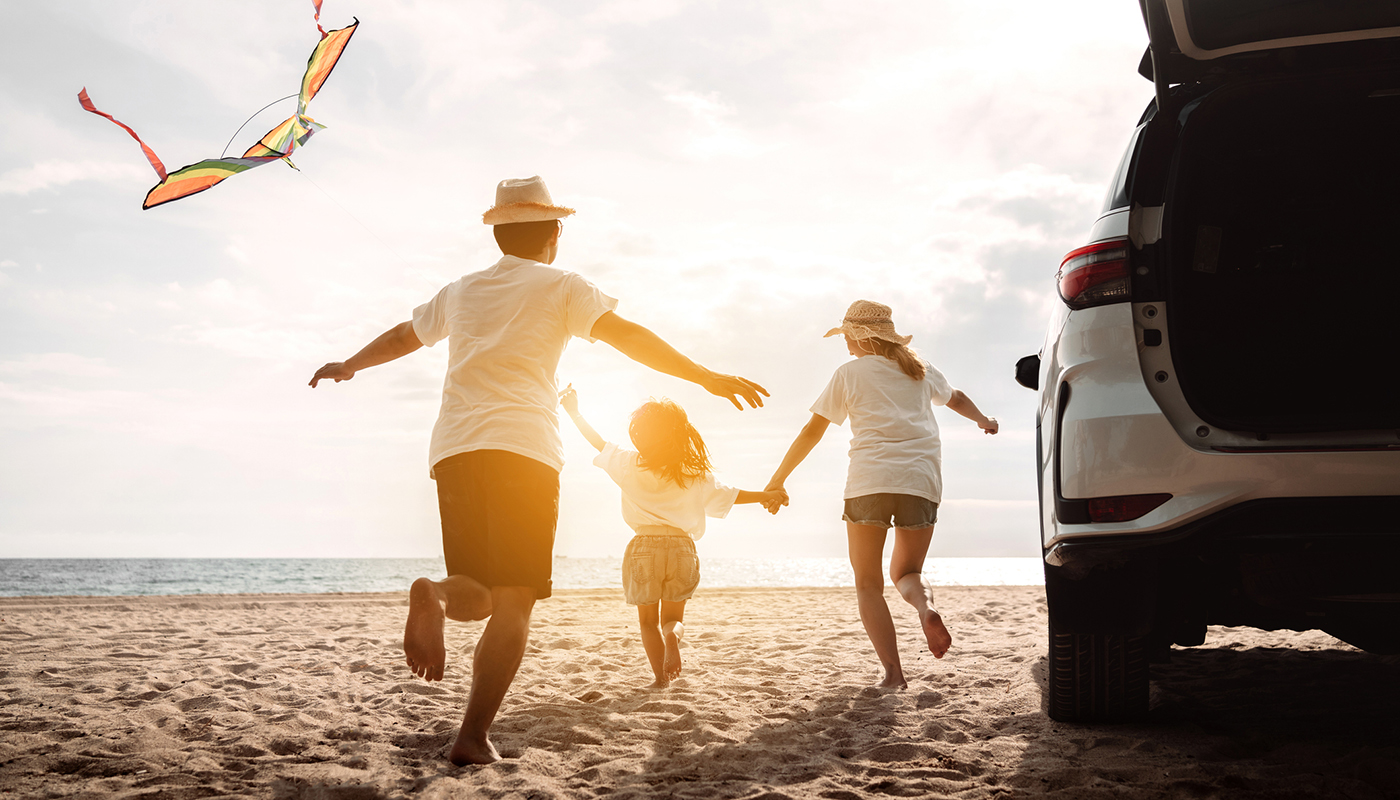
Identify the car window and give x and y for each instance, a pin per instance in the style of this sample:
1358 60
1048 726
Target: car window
1118 187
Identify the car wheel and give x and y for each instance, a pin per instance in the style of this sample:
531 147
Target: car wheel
1097 677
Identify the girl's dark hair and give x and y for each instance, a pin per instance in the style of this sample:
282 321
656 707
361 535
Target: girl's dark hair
674 450
901 354
524 239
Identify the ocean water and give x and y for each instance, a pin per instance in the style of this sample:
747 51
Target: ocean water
150 576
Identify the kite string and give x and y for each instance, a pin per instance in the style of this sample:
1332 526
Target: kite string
250 119
357 219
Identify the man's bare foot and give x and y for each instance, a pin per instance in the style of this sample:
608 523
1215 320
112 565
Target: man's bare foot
672 633
939 639
467 751
423 648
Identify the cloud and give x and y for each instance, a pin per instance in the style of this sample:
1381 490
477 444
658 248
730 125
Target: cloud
253 341
51 174
1034 197
716 135
28 406
56 363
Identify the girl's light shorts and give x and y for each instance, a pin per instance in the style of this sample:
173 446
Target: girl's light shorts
660 564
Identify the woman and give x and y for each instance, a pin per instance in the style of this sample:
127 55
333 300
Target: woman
895 475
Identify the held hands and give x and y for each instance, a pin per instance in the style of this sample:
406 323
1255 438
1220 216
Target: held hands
336 370
774 497
774 500
990 426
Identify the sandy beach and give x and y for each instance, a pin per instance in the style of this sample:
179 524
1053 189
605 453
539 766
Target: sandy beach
306 696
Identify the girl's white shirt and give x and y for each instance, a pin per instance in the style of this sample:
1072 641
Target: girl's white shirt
895 447
650 499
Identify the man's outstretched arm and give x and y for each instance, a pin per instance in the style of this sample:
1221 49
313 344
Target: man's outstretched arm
646 348
396 342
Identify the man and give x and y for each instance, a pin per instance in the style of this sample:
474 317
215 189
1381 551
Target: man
496 451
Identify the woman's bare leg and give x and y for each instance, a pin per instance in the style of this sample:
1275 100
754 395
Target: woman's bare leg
906 571
649 618
673 630
866 545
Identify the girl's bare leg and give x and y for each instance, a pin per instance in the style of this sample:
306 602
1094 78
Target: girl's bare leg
866 545
648 617
906 571
672 631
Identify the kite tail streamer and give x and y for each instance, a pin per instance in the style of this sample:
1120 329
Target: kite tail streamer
150 154
317 3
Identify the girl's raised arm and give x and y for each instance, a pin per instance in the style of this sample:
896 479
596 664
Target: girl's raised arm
569 400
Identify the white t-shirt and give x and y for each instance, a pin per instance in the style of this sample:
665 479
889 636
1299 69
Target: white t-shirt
506 328
894 443
650 499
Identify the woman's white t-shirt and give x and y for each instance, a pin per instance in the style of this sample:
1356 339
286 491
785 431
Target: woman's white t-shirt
894 437
650 499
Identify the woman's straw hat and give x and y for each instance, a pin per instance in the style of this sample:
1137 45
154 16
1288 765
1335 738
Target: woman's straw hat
523 200
868 320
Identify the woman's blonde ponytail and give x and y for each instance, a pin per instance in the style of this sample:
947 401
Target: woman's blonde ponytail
901 354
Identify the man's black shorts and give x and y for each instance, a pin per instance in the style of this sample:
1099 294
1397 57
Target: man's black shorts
499 511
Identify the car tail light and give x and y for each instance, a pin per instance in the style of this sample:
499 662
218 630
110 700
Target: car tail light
1095 275
1124 507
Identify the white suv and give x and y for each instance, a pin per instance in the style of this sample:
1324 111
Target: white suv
1218 434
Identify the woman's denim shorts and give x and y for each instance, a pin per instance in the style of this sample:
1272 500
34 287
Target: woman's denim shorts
891 510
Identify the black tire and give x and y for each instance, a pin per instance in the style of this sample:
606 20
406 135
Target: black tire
1097 677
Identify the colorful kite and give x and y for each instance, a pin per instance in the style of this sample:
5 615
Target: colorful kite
277 144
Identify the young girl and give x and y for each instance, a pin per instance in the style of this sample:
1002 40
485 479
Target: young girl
667 491
895 476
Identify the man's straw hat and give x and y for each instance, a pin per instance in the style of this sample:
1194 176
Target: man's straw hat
867 320
523 200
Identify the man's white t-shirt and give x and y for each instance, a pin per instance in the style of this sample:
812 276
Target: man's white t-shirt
506 328
894 437
650 499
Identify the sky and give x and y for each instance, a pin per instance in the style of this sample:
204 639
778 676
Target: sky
742 172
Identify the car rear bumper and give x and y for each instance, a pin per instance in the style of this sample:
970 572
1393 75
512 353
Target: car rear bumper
1270 523
1293 563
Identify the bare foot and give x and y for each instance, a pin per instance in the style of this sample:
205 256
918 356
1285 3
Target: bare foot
422 635
672 634
660 683
893 680
465 751
939 640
